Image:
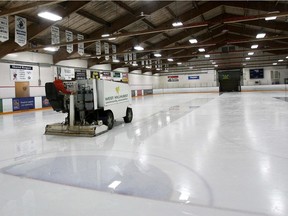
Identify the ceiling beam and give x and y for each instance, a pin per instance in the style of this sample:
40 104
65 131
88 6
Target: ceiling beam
26 7
92 17
117 25
35 29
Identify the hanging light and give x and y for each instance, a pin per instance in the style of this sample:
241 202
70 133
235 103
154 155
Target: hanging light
193 41
49 16
261 35
177 23
105 35
138 47
157 55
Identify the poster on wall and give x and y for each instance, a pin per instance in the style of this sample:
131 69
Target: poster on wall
80 74
69 38
173 78
4 28
114 50
193 77
55 35
67 73
125 77
80 45
106 76
21 72
45 102
23 103
20 30
94 74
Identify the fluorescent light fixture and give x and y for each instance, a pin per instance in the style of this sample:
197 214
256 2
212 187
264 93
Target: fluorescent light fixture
157 55
177 24
255 46
158 69
280 60
135 65
116 60
251 53
114 184
193 41
261 35
207 56
184 196
190 67
138 47
213 62
215 65
247 58
275 63
201 50
179 63
270 18
105 35
49 16
170 59
111 38
287 57
51 49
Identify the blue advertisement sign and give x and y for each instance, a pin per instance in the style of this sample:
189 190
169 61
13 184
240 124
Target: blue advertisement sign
23 103
45 102
193 77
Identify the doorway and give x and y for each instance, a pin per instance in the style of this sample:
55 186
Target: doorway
22 89
230 80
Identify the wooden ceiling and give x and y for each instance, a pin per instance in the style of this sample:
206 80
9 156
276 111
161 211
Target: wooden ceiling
226 29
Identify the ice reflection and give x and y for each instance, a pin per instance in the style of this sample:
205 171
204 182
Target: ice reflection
110 174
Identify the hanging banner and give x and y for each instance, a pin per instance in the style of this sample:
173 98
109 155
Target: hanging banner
126 58
21 72
4 28
106 50
80 45
98 48
134 58
55 35
130 58
20 31
69 38
114 50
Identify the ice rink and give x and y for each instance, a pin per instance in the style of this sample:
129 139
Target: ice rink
200 154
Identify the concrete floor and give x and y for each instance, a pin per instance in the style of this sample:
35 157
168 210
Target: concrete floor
183 154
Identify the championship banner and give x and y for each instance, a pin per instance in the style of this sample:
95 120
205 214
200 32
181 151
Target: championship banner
69 38
55 35
98 48
114 50
125 77
106 50
80 45
21 73
134 58
4 28
126 58
130 58
20 31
